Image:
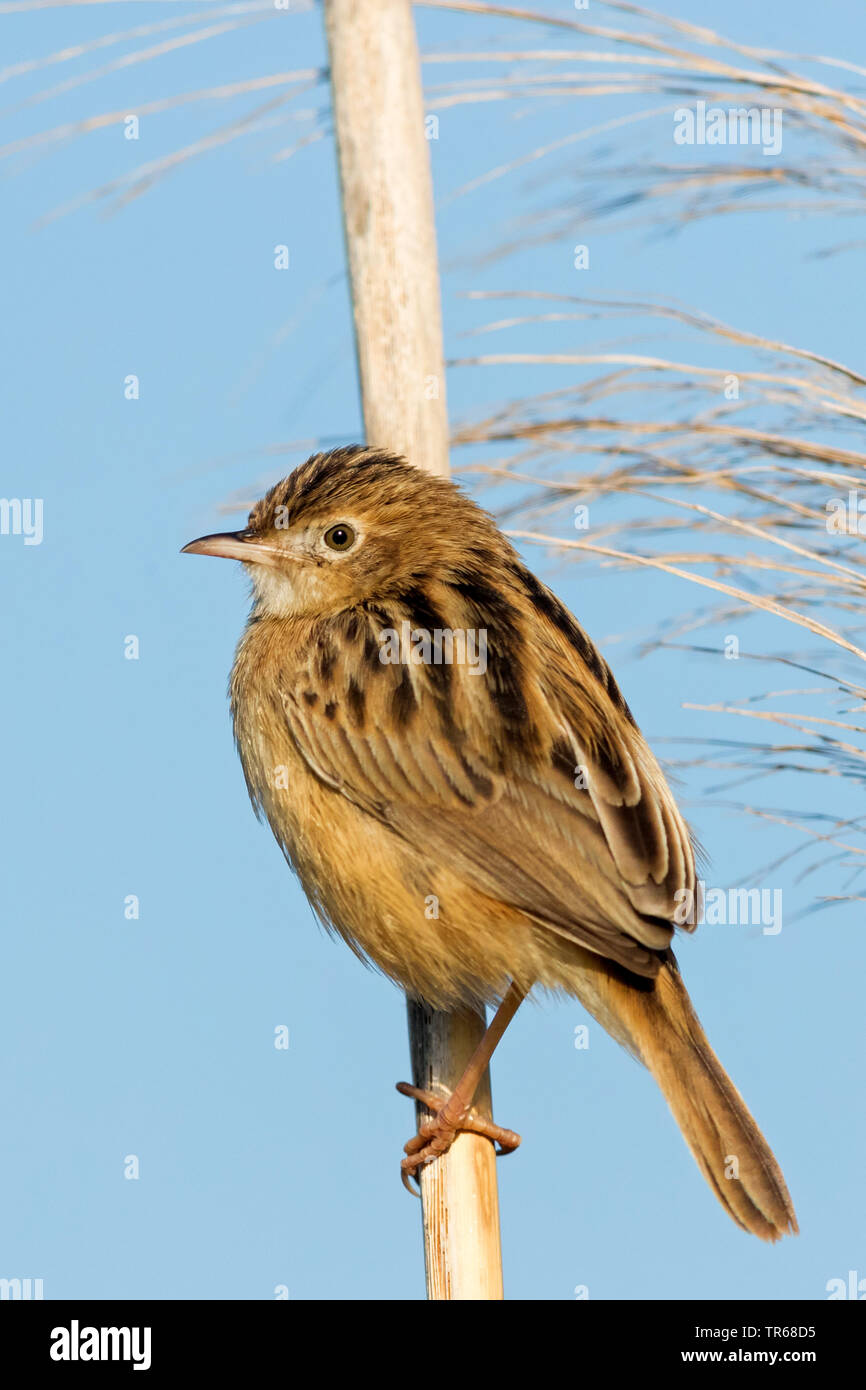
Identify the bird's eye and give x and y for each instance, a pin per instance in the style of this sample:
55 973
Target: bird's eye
340 537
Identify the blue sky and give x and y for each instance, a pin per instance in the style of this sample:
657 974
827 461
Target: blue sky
154 1037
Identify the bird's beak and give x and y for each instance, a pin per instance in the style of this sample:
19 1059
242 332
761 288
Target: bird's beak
237 545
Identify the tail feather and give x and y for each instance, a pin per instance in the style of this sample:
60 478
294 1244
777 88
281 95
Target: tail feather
730 1150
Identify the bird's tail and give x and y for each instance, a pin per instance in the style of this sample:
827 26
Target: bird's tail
730 1150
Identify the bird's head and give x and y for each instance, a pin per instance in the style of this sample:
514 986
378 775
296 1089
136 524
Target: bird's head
350 526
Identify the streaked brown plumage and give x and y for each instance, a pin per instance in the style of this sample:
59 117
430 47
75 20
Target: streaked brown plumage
523 800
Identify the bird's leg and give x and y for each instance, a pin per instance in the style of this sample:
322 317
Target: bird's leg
451 1113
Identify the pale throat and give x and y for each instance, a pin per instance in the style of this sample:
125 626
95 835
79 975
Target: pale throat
291 590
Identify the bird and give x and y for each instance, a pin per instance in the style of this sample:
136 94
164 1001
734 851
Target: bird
449 766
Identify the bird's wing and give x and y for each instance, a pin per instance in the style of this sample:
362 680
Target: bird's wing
530 780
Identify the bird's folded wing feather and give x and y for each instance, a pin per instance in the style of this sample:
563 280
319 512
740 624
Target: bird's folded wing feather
531 781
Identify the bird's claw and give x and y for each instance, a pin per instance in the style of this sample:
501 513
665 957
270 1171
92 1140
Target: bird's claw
436 1135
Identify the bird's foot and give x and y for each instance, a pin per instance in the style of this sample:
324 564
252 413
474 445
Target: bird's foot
436 1135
